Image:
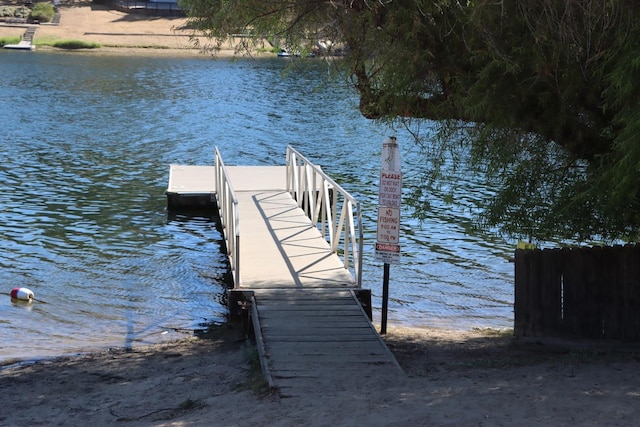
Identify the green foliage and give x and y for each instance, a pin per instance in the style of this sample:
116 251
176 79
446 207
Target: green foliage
253 20
74 44
256 381
43 12
9 40
14 12
540 98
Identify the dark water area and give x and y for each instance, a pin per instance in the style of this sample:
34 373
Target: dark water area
86 145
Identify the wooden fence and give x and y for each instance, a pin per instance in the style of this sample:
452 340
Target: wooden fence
583 293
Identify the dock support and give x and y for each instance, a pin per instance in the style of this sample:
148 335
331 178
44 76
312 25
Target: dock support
238 299
186 201
364 298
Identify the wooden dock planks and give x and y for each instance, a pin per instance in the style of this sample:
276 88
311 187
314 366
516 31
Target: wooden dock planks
321 339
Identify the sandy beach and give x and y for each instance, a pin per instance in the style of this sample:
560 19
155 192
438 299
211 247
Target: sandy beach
453 378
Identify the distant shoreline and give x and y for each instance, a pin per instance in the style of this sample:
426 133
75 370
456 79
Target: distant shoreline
149 51
123 33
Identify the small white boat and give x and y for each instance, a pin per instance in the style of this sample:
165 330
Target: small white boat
285 54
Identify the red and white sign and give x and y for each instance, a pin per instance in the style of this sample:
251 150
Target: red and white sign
389 199
390 189
387 248
388 225
389 254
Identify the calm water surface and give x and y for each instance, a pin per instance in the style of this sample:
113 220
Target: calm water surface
86 144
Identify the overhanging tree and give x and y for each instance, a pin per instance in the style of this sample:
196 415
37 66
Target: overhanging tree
541 95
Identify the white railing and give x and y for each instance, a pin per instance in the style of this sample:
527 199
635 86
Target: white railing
228 207
331 209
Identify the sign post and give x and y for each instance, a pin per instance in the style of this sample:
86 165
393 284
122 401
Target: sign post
388 236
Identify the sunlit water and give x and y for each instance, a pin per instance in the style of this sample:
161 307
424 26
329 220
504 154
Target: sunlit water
86 144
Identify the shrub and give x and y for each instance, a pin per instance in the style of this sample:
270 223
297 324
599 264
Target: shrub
42 12
75 44
14 12
9 40
22 12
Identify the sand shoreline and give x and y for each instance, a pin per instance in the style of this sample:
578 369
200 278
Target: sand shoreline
453 378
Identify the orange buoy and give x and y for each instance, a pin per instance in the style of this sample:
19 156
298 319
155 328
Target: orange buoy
22 294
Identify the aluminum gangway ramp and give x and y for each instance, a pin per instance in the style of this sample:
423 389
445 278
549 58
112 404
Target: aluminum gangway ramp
295 256
279 246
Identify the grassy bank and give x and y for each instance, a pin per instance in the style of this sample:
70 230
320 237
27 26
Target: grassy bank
9 40
67 44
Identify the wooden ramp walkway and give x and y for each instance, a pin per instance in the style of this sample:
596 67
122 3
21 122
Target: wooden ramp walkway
320 341
312 331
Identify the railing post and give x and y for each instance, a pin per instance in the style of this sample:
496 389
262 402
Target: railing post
228 207
289 170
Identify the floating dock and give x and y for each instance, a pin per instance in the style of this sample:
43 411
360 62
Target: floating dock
23 45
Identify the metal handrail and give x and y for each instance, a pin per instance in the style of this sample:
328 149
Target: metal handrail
228 209
320 197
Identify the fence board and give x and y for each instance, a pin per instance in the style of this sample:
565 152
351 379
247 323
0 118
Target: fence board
586 293
613 310
551 290
630 278
520 305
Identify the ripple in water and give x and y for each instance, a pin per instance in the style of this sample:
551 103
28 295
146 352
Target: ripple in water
84 221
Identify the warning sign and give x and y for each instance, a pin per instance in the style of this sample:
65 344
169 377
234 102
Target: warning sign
388 225
388 254
389 199
390 193
387 248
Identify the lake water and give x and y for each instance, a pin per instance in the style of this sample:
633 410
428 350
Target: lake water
86 144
